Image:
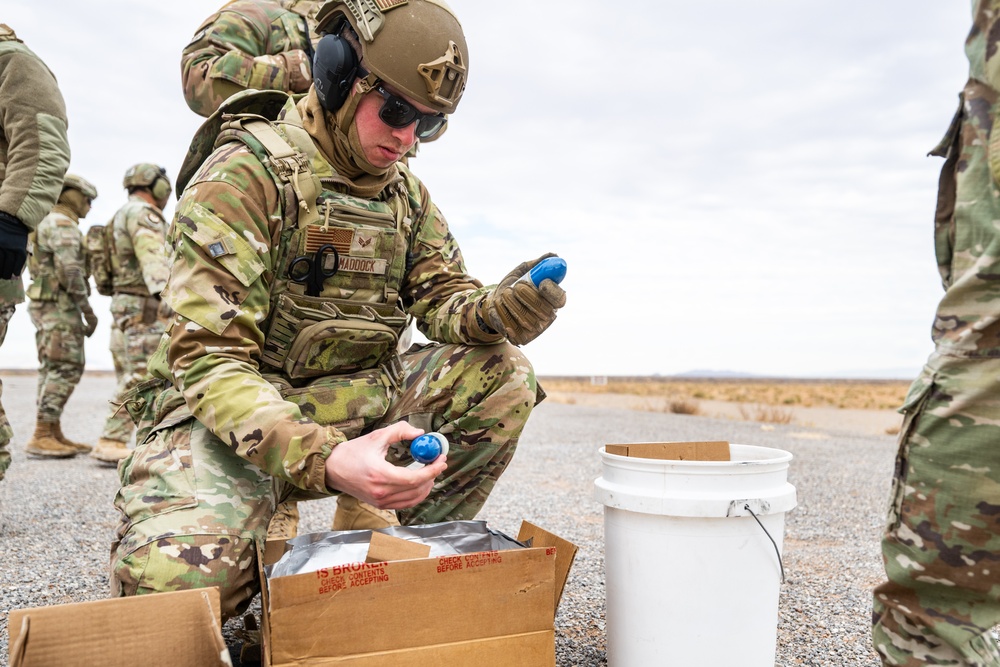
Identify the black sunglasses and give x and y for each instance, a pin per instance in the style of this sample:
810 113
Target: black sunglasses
397 112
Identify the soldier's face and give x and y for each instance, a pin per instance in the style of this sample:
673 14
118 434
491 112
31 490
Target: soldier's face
383 145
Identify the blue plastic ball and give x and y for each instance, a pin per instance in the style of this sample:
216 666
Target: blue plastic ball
427 447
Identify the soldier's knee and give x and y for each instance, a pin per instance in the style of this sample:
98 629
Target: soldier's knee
187 562
516 375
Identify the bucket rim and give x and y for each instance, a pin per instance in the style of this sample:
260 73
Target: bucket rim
783 457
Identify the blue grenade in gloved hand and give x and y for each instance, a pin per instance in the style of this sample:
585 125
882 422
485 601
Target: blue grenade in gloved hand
524 304
553 268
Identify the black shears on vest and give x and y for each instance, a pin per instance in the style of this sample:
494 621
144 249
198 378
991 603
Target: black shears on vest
311 271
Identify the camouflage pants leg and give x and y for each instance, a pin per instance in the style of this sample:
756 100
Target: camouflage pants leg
192 514
6 433
139 341
479 397
117 348
59 338
941 547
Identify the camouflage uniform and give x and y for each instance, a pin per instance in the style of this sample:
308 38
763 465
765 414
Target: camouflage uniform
942 539
116 346
34 155
59 299
141 266
259 371
6 432
248 44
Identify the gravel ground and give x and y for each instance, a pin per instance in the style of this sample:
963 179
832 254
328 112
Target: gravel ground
56 518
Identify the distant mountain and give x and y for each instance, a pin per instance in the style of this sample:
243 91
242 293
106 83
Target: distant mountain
907 373
715 374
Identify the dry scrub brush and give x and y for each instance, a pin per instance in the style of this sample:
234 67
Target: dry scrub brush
860 394
768 414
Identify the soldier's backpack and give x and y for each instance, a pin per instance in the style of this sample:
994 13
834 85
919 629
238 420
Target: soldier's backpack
100 249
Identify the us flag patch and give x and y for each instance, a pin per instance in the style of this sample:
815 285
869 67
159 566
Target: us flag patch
339 238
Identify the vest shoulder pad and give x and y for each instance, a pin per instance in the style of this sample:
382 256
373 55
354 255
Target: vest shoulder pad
264 103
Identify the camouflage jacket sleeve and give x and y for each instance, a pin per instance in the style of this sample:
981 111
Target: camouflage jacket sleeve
34 151
437 291
65 240
147 231
220 288
234 51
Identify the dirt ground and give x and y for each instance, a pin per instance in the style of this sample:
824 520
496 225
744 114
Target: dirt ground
864 422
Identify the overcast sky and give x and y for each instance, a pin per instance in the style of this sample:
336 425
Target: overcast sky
735 186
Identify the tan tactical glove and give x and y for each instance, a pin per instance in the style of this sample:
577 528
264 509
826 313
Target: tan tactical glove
519 310
299 70
165 311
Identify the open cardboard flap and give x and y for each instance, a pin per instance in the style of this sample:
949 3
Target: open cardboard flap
565 552
384 548
673 451
163 629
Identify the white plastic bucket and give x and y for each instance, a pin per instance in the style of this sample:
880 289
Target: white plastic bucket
691 577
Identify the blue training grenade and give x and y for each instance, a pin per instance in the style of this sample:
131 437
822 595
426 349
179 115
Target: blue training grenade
552 268
426 448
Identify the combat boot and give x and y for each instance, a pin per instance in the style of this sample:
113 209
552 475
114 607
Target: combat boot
352 514
110 452
80 447
285 522
44 443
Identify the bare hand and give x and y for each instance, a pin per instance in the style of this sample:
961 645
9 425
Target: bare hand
358 467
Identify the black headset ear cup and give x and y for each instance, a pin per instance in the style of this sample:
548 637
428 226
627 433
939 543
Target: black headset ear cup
335 66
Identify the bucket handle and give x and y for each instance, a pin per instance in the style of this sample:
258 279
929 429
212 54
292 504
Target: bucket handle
773 543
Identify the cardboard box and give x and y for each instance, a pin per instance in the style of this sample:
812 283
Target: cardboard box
492 608
164 629
673 451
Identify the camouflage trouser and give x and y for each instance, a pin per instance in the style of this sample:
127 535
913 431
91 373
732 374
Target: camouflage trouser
6 433
117 348
942 542
193 511
59 338
141 328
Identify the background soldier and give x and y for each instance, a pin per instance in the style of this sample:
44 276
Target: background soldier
61 313
140 261
942 541
282 356
257 44
34 155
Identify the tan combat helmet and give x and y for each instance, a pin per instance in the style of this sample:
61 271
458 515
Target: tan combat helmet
416 46
85 187
147 175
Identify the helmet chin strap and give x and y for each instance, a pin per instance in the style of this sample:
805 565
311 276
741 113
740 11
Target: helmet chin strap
345 117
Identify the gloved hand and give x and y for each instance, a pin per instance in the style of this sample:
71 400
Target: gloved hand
13 246
165 311
299 68
519 310
90 322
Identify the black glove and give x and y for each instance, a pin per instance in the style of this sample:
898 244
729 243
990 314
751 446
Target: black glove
89 323
13 246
